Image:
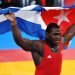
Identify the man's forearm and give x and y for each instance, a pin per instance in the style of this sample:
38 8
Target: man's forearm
16 33
69 37
69 34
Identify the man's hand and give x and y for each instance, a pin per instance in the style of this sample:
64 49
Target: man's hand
11 17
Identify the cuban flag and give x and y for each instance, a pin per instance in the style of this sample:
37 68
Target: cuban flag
27 19
32 21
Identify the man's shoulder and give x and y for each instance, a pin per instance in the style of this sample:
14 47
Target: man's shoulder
39 42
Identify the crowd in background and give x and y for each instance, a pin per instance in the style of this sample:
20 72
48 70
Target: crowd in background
48 3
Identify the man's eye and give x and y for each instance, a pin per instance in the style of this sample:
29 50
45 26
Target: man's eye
57 33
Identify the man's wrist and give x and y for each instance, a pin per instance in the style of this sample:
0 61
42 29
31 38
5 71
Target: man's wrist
14 22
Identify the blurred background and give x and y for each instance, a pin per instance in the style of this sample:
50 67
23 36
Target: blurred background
47 3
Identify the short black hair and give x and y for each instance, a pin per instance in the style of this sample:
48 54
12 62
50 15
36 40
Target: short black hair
51 26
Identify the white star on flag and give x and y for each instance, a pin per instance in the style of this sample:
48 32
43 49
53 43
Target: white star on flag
62 17
49 56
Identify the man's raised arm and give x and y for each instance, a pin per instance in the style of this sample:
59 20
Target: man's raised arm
24 43
69 35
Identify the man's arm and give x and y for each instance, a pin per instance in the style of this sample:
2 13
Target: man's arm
26 44
69 35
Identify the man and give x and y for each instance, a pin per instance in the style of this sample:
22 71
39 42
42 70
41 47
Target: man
47 54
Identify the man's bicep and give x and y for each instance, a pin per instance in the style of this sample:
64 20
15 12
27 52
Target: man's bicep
29 45
26 44
67 38
65 44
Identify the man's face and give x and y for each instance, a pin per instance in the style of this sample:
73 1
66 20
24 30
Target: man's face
54 36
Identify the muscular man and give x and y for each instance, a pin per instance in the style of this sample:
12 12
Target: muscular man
46 53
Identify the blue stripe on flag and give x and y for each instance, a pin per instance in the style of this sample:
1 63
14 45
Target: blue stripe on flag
26 26
7 10
30 28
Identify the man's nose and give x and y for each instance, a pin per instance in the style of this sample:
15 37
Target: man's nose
58 36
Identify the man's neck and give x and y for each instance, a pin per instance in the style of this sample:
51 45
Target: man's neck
53 47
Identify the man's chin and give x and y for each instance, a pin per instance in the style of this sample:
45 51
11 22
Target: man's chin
57 42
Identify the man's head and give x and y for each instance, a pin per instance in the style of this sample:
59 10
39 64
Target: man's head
53 34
